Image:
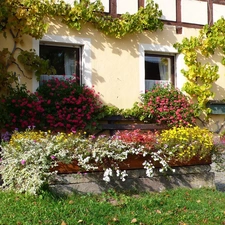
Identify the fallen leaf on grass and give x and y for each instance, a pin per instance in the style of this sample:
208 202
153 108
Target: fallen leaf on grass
198 201
63 223
134 220
113 202
158 211
115 219
80 221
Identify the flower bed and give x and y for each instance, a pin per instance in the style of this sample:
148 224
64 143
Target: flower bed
29 157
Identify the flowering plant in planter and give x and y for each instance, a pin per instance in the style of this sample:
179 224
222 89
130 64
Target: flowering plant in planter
167 105
28 157
31 158
183 143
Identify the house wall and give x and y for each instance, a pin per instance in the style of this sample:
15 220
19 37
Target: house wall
115 67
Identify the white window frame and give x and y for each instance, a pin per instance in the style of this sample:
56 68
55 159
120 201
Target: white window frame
85 43
159 49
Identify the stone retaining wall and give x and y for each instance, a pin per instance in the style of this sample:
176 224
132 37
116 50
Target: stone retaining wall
187 176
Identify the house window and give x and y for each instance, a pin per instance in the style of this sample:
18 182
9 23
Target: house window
66 61
158 69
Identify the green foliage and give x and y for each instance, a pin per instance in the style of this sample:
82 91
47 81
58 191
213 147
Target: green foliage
200 77
24 17
28 17
145 19
111 110
32 62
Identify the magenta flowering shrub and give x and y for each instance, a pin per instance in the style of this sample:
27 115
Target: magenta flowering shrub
68 105
58 105
19 109
167 105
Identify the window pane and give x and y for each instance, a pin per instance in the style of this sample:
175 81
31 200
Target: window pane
64 59
158 69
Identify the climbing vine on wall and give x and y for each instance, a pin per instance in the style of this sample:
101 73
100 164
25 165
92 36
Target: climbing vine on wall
29 17
200 76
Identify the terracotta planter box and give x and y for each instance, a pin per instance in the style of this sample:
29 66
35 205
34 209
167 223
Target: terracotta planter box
131 163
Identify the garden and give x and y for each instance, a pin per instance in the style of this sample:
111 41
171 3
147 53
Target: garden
59 124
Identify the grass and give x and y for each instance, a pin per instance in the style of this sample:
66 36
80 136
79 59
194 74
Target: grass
175 207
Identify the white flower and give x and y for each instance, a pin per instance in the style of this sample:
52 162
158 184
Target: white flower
107 173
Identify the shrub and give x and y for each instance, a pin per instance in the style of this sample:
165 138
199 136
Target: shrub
19 109
167 105
58 105
164 105
68 105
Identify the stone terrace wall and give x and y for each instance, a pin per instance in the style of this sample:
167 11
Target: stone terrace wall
187 176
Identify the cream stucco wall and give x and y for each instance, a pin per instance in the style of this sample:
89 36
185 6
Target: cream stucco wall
116 67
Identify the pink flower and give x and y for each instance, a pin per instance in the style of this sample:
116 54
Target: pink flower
23 162
53 157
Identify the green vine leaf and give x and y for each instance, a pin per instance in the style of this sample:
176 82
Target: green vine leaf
200 77
33 62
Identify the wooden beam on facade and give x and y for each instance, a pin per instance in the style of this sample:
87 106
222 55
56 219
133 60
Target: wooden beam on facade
113 8
178 17
210 12
141 3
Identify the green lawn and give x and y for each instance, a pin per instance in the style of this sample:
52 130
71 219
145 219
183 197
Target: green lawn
175 207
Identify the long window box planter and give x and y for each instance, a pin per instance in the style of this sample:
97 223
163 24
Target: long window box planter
133 162
194 173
